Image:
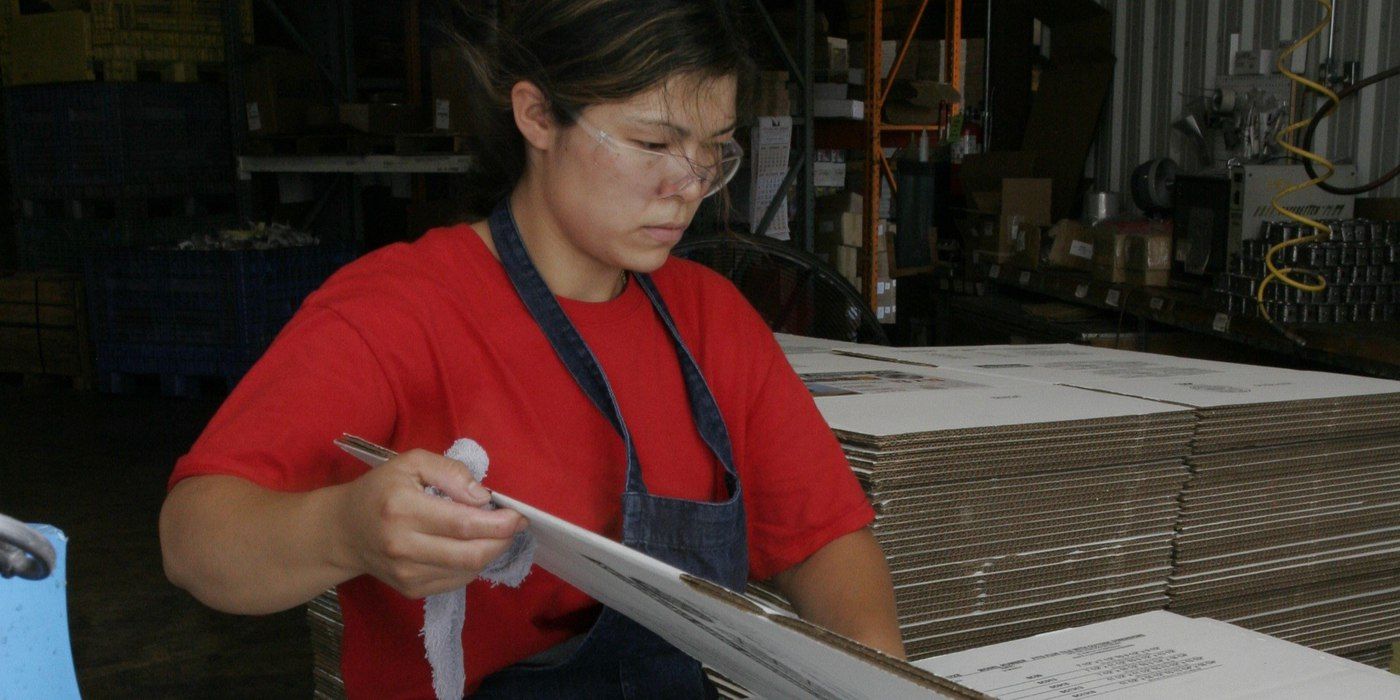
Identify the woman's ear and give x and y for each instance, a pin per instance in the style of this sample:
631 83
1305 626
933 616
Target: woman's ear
532 114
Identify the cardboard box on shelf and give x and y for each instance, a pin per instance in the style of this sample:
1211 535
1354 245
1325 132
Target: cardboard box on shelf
1027 245
43 325
451 90
1148 278
831 91
1110 253
845 259
81 41
1150 249
839 109
829 174
889 48
1024 208
773 97
1149 257
844 201
284 92
884 252
832 58
1063 118
1115 242
53 47
982 175
838 228
1071 246
380 117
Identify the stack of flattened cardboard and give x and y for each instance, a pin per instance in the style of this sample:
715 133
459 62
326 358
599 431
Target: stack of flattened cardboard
327 628
1299 541
1005 507
1290 523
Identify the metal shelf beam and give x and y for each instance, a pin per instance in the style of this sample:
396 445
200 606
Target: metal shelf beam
877 167
353 164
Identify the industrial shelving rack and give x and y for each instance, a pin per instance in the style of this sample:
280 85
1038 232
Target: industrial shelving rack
877 91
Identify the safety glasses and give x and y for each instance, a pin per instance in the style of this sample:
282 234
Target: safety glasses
665 170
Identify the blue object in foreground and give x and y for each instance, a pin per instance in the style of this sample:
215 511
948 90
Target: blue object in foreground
36 657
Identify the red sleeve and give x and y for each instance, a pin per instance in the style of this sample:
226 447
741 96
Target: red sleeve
802 493
319 379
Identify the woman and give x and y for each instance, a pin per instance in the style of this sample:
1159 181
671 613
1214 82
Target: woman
629 393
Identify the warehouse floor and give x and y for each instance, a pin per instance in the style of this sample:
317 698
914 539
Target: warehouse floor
95 465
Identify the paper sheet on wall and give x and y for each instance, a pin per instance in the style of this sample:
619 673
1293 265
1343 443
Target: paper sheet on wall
768 165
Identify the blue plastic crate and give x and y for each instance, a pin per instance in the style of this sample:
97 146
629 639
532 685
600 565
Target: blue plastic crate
179 368
87 134
179 360
61 245
221 308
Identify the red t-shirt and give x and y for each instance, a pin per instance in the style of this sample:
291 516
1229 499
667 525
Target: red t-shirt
416 345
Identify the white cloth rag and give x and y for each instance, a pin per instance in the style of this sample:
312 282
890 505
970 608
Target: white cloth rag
444 614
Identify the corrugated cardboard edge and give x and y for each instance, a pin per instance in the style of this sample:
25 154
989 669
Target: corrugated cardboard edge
899 668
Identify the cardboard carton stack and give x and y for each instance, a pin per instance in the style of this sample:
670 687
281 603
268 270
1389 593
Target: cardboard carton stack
327 628
113 40
1133 252
44 327
1299 541
1290 523
1005 507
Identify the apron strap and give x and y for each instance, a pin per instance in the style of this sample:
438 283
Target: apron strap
583 365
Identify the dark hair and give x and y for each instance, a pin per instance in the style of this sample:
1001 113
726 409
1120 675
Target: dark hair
585 52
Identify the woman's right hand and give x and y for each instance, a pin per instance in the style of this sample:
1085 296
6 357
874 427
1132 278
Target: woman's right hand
417 543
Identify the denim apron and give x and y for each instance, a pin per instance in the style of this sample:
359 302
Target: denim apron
619 658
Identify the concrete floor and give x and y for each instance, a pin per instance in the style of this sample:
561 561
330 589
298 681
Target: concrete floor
95 465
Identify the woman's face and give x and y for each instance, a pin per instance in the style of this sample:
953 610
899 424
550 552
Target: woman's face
625 181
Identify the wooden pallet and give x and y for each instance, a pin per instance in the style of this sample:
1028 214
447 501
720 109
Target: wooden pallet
43 329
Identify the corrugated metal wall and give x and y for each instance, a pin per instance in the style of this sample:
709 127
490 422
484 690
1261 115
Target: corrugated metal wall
1171 51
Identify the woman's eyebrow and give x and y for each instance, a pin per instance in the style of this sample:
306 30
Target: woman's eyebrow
682 131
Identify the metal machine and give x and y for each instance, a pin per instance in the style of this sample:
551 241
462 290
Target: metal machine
1216 212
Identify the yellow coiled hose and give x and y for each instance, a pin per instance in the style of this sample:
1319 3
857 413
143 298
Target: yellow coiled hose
1322 231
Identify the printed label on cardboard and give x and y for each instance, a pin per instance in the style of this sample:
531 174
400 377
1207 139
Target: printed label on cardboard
1081 291
878 382
1159 654
254 117
442 116
1111 298
1080 249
